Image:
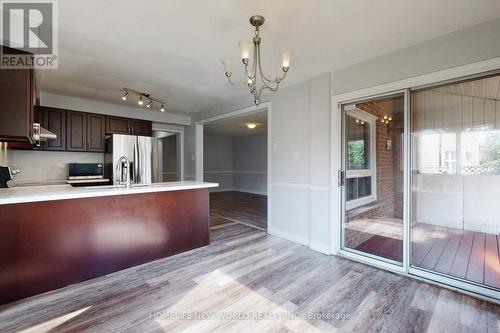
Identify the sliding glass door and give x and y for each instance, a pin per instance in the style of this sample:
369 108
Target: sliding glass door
456 181
373 178
420 183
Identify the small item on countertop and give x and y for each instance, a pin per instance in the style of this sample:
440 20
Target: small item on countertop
6 177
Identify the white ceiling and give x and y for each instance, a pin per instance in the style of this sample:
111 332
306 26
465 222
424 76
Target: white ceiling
172 49
236 126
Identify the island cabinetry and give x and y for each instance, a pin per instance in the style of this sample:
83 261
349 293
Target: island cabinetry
50 244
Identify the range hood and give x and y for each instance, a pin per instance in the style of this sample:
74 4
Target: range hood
40 134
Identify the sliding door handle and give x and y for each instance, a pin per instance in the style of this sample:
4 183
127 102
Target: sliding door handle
340 178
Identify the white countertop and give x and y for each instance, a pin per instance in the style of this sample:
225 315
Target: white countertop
61 192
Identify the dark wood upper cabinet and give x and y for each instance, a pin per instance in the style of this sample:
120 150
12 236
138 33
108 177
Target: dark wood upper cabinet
141 127
96 124
76 126
18 97
53 120
117 125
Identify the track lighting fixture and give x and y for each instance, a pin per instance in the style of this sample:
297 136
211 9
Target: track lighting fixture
142 97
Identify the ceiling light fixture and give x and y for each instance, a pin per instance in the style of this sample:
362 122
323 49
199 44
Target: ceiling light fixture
256 69
250 125
141 97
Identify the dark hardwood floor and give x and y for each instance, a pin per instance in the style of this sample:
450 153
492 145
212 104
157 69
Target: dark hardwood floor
247 281
245 208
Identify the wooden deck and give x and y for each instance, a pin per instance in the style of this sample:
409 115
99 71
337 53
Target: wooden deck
245 208
469 255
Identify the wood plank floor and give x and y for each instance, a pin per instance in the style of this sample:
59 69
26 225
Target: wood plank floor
247 281
246 208
469 255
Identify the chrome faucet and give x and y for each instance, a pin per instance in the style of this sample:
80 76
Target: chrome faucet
120 167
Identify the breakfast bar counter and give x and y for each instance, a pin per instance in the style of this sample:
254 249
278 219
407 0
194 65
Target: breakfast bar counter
53 236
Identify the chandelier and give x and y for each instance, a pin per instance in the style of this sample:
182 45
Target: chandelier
254 72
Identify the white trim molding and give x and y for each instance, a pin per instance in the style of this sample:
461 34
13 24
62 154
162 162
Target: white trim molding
311 187
180 131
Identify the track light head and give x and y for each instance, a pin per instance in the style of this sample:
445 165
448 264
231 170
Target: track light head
149 104
125 95
162 109
140 101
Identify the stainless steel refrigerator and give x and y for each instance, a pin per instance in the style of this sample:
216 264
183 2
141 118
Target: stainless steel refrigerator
141 151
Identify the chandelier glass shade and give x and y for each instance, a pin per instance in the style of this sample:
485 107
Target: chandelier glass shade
256 80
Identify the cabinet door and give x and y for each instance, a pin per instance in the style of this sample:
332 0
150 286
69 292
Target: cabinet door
54 120
76 127
95 132
16 112
141 127
117 125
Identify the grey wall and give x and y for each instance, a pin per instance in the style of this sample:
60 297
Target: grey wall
236 163
218 160
300 135
477 43
300 117
250 163
46 165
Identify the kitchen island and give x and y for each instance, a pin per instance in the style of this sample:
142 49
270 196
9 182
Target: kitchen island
53 236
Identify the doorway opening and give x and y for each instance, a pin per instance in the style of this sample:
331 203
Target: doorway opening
169 155
235 155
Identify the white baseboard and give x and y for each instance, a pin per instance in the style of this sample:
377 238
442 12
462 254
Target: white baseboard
215 189
250 191
319 247
315 246
288 236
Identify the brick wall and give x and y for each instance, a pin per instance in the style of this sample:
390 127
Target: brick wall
389 172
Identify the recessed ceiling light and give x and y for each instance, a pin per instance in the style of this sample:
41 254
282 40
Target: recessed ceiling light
251 125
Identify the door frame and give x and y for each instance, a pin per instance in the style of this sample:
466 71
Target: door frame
359 255
468 71
157 127
199 166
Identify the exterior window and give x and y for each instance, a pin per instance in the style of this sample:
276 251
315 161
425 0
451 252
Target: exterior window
437 153
361 158
450 160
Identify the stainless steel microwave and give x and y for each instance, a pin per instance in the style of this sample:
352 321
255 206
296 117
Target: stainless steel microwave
85 170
